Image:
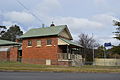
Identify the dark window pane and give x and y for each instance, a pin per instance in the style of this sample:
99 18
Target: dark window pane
49 42
29 43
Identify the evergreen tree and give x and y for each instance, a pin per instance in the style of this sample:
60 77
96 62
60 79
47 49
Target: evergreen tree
12 33
2 30
117 33
100 52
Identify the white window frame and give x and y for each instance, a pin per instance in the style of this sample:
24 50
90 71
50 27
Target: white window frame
38 43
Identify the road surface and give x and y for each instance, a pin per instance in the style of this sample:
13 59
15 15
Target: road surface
58 76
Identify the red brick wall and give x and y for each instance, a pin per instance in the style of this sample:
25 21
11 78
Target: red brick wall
13 53
4 56
39 55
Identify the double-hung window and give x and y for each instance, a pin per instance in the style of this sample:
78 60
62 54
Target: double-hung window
29 43
38 42
49 42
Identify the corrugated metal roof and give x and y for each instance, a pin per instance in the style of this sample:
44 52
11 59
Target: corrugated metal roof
5 42
47 31
70 42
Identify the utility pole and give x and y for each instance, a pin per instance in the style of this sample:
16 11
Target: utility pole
104 55
93 54
93 51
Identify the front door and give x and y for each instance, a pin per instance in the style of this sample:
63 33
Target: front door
19 57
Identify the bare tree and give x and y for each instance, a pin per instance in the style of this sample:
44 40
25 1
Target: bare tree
88 44
86 41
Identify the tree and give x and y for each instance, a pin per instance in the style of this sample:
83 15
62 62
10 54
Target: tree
116 49
2 30
12 33
100 52
114 52
88 44
117 33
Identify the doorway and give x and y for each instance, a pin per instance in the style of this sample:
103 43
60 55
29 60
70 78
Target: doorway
19 56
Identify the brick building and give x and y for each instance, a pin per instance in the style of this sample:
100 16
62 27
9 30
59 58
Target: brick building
9 50
50 46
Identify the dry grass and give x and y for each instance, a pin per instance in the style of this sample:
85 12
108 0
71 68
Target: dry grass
16 66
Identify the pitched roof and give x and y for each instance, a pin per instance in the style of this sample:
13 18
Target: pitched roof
70 42
47 31
5 42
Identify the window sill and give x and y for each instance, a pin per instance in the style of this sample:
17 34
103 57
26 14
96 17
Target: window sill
38 46
29 46
48 45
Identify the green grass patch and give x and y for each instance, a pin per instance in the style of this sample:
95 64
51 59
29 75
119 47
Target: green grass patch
17 66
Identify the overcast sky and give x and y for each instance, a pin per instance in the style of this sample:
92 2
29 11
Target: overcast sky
82 16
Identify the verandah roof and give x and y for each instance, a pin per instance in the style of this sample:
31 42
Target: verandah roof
69 42
5 42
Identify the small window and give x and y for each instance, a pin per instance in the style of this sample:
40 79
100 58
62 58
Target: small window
38 42
49 42
29 43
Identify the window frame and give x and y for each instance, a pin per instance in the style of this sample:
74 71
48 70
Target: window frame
38 44
49 43
29 43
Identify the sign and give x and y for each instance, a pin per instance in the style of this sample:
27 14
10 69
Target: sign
107 44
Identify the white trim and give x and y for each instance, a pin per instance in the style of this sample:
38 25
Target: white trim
61 42
38 45
64 60
29 46
48 45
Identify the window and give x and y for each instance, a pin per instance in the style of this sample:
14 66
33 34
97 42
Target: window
49 42
38 42
29 43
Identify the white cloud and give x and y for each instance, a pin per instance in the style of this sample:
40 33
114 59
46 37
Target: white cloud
8 24
20 17
78 24
48 6
106 39
100 1
112 40
100 25
104 18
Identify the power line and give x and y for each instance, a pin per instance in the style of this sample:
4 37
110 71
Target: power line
29 11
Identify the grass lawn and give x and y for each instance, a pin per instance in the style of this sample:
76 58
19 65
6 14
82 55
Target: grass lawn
16 66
